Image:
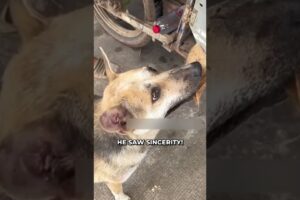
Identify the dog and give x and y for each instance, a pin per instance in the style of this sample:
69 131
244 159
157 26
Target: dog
140 93
46 108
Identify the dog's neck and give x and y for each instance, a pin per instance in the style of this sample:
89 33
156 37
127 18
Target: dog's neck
143 134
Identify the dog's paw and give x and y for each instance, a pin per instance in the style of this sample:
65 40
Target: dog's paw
122 197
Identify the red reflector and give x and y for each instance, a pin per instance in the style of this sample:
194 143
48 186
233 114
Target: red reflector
156 29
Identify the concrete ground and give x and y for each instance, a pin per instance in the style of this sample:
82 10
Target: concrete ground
167 173
270 136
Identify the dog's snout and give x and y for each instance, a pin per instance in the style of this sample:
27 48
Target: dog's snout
197 69
194 72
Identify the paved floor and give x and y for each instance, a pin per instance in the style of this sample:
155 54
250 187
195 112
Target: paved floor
167 173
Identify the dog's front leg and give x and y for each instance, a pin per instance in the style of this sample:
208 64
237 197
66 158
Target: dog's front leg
117 191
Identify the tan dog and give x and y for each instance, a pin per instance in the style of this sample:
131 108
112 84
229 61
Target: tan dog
46 108
140 93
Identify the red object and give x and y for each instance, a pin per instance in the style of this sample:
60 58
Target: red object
156 29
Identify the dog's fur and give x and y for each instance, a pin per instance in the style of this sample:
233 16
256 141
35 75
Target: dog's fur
46 106
129 95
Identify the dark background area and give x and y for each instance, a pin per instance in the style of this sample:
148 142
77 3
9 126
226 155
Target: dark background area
255 154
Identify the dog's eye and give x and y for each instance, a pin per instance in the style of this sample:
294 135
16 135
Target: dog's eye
151 69
155 94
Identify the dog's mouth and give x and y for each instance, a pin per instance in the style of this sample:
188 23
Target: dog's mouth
178 103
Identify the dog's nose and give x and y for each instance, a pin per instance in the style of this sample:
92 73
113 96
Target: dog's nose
192 72
196 69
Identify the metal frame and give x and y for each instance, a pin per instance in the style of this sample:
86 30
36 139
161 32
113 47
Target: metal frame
170 41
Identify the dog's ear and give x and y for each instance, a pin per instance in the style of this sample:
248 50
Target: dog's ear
109 70
115 119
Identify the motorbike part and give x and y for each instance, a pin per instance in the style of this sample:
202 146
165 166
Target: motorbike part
198 22
183 30
168 23
125 33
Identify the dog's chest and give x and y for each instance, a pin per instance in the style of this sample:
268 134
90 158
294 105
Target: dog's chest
129 156
127 161
114 160
130 162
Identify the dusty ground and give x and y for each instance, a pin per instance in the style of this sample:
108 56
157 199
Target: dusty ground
176 172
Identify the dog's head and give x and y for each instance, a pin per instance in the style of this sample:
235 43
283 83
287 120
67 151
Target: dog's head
144 93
